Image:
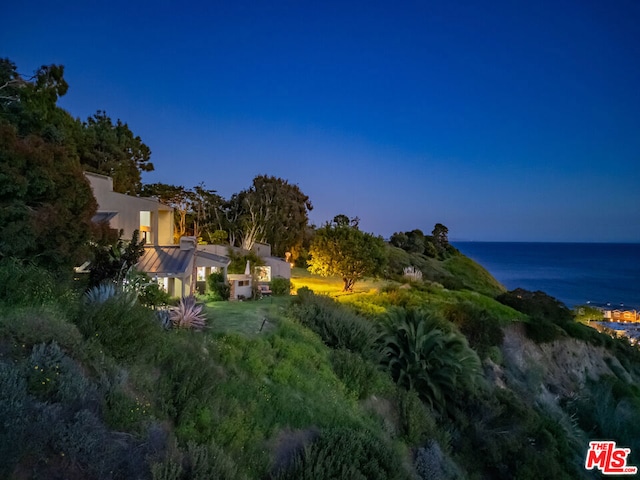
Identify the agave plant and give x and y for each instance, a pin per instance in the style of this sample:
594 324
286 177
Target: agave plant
188 314
107 290
422 355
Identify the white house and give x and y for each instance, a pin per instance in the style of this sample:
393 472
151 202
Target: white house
175 267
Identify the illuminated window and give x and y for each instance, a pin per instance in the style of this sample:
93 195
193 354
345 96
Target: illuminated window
263 273
201 274
145 226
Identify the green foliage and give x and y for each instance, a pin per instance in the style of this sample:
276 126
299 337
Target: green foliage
482 329
537 305
415 420
338 326
113 150
26 284
609 408
26 327
47 204
420 354
361 377
239 261
188 314
271 211
471 275
509 438
345 454
340 248
123 327
217 288
48 423
586 313
113 261
280 286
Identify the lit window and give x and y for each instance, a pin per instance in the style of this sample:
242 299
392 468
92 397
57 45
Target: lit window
201 276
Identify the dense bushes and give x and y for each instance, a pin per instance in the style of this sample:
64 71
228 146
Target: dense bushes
280 286
420 354
28 284
49 418
217 288
537 305
338 326
341 453
120 324
482 329
360 376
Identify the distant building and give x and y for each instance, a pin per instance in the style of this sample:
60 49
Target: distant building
619 315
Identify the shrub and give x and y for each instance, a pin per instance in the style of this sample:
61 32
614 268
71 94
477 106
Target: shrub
537 304
26 284
338 326
420 355
482 330
415 420
359 376
188 314
345 454
431 462
542 330
217 288
123 328
280 286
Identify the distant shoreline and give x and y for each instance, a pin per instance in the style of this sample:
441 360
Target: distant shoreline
576 273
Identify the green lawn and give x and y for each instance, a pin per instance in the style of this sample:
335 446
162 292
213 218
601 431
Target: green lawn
333 286
245 317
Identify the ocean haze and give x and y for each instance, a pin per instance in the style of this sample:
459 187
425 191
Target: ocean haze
574 273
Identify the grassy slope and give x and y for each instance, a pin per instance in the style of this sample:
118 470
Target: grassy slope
249 391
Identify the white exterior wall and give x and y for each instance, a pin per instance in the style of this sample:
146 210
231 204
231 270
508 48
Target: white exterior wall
129 207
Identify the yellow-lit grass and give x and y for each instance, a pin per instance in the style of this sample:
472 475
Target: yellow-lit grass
332 286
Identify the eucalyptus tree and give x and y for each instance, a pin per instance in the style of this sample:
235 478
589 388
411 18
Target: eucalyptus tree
272 210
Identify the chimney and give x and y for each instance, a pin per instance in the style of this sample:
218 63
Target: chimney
188 243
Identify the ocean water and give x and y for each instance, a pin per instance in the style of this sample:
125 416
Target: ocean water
574 273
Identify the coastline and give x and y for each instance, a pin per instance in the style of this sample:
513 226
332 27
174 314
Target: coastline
576 273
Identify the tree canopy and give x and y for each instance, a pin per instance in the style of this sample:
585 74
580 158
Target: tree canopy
46 204
113 150
273 211
341 248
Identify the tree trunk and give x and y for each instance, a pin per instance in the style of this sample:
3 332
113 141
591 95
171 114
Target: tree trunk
348 284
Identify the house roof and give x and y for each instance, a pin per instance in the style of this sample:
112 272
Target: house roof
166 261
223 261
103 217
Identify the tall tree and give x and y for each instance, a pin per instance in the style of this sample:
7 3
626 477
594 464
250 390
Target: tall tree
341 248
440 237
273 211
113 150
46 204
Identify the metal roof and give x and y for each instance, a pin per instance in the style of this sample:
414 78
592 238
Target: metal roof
103 217
165 261
223 261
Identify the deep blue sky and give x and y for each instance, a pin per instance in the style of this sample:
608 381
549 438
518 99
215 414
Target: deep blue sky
504 121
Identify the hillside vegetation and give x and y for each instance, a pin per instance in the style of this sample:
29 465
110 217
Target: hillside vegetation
447 377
